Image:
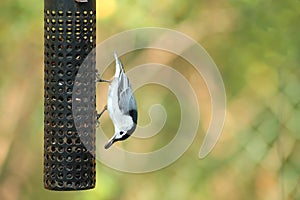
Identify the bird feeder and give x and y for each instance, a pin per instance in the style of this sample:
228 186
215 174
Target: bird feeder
69 150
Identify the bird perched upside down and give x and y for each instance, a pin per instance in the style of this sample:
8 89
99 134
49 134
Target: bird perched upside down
121 105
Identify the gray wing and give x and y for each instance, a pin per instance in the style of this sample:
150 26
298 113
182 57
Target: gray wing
126 98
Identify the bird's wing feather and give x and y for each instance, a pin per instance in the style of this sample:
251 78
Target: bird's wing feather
126 98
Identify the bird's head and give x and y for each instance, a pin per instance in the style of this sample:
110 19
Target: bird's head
126 131
119 136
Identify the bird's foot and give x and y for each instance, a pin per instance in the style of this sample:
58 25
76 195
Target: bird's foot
99 79
98 115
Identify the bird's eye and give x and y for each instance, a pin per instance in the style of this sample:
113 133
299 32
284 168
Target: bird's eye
121 132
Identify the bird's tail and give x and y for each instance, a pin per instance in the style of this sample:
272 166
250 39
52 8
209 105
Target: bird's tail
119 67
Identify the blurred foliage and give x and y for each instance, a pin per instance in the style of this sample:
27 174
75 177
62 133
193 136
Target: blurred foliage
256 45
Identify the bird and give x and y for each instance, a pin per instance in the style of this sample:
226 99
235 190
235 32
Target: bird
121 105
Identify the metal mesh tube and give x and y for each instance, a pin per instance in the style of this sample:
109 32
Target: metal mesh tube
69 155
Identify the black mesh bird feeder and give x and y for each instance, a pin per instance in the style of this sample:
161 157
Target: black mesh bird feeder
69 150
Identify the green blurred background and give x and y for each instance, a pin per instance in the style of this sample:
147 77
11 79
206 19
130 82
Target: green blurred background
256 46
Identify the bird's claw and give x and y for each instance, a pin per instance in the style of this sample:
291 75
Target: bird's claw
97 123
99 79
97 120
98 115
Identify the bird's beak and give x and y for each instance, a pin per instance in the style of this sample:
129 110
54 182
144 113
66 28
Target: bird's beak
110 142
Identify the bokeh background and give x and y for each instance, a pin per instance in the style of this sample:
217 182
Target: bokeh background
256 46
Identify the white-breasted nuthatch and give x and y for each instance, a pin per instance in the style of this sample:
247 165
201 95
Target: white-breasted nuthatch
121 105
